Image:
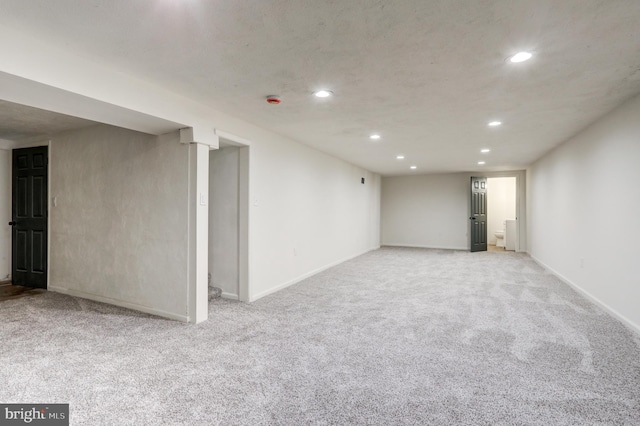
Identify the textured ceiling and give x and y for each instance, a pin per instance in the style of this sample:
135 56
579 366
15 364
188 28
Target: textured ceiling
19 122
426 75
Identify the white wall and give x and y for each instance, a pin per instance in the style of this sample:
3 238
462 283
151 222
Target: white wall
584 203
501 204
426 210
308 211
119 232
5 213
433 210
224 220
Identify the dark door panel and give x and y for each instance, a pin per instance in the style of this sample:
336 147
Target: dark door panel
478 216
29 236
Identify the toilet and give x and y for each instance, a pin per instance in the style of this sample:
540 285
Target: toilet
499 238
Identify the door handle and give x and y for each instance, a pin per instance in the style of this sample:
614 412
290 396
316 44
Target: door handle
13 223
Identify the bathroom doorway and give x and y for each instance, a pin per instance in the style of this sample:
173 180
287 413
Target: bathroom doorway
502 227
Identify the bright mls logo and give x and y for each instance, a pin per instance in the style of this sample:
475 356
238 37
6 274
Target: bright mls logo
34 414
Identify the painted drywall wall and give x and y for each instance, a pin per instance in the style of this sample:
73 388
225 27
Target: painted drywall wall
425 211
119 217
433 210
5 213
584 200
308 211
501 204
224 220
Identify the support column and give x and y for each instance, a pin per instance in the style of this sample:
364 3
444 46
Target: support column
198 305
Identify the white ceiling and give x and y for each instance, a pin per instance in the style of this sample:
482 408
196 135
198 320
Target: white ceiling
426 75
20 121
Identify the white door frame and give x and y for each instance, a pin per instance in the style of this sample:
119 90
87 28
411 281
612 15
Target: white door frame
29 143
244 275
521 203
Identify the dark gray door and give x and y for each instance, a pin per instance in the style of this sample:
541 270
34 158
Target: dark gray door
29 236
478 217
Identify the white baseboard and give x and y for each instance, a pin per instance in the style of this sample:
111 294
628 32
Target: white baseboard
229 296
626 321
121 303
422 246
307 275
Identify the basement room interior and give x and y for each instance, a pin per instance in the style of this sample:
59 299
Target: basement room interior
346 213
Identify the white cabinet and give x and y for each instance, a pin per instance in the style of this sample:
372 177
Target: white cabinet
510 235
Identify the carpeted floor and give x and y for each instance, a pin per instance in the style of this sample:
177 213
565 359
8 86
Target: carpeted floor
394 337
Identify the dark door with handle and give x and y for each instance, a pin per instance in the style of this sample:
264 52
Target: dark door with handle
478 216
29 210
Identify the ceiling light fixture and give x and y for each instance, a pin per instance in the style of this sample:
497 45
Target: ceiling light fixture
485 150
495 123
481 163
374 137
521 57
400 157
323 93
413 167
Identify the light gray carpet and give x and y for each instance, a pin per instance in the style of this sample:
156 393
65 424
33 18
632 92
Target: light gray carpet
394 337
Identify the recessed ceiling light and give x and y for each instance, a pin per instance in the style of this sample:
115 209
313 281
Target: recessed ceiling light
400 157
481 163
485 150
323 93
521 57
495 123
375 136
413 167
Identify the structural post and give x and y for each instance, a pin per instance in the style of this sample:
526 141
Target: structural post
198 305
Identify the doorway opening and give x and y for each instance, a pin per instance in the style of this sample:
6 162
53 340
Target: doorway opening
29 217
5 216
229 220
502 234
504 205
